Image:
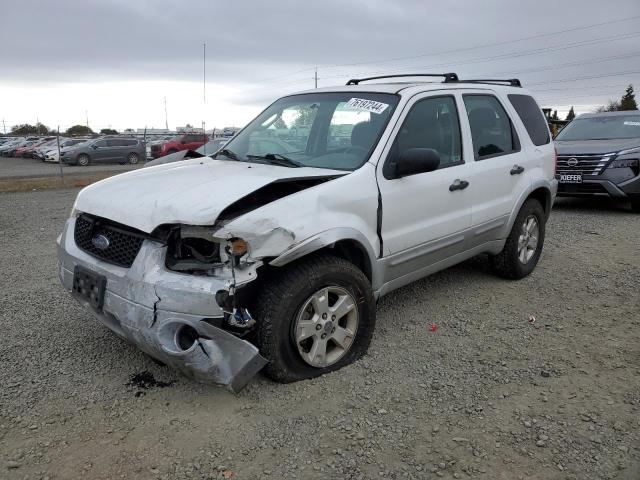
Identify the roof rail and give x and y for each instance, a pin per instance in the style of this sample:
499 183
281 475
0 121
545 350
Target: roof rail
448 77
514 82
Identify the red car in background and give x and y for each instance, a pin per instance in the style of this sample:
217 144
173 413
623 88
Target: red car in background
188 141
27 150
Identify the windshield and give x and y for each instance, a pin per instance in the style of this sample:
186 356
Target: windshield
336 130
602 128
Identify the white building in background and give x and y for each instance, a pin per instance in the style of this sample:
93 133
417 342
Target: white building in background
153 131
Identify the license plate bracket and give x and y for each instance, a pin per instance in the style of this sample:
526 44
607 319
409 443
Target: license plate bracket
89 286
570 178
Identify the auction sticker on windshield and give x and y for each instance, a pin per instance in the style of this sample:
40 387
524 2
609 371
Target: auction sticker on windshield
367 105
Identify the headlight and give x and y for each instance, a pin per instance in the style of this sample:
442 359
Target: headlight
237 247
625 163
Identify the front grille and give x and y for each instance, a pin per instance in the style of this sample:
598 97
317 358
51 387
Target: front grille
584 164
123 242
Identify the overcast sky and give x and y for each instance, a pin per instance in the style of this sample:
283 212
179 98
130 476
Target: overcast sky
118 59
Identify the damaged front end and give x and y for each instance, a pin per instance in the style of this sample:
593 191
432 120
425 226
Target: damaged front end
174 301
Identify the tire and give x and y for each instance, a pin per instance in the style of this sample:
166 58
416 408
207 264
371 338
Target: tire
635 205
83 160
280 308
510 262
133 158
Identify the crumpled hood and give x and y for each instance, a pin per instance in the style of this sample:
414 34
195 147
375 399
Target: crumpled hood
585 147
191 192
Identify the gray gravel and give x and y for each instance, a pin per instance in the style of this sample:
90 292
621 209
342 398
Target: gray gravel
489 394
31 167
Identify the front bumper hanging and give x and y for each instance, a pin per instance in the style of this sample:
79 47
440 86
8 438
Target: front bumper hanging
171 317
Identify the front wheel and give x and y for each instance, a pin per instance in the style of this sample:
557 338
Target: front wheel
314 317
133 158
83 159
523 247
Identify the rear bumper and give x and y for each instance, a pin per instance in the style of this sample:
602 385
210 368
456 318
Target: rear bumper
169 316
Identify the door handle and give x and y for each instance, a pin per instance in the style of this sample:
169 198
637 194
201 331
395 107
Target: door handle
458 185
516 170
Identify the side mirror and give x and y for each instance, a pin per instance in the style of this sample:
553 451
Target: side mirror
94 146
413 161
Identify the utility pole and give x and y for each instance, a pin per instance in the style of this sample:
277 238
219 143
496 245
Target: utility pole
166 121
204 95
4 127
316 78
86 114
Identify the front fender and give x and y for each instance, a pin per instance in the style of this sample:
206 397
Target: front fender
326 239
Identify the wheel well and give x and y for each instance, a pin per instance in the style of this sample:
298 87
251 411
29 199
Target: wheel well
543 195
353 252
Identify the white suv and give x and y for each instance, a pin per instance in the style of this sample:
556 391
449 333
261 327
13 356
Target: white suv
273 252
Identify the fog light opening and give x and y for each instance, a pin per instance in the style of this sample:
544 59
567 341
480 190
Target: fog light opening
186 337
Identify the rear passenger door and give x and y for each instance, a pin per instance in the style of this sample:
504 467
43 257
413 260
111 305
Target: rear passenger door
118 149
424 216
500 165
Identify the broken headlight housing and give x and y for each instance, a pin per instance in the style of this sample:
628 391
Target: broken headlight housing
197 250
192 249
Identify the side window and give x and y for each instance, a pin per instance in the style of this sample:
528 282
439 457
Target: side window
491 129
130 143
432 123
101 143
532 117
114 142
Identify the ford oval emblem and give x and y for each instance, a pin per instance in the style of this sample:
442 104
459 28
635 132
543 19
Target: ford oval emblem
572 162
100 241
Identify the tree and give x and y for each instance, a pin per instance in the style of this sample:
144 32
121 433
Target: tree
554 115
612 106
571 115
108 131
628 100
27 129
79 130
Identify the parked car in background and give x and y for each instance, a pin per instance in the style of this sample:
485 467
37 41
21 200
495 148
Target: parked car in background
105 150
25 149
157 140
212 146
52 155
7 149
599 154
252 258
189 141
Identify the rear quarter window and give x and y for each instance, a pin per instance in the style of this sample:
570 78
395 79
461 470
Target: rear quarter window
532 118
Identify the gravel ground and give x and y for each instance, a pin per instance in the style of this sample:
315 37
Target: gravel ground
31 167
489 394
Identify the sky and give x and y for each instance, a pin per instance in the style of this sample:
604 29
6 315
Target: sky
115 61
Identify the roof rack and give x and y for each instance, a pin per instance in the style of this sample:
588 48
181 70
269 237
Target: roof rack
514 82
448 77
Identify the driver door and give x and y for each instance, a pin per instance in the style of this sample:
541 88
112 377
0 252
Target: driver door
424 216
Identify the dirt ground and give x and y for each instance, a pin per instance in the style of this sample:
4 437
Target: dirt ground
460 381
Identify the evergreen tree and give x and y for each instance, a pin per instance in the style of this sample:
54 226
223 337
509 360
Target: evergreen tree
554 115
628 100
571 115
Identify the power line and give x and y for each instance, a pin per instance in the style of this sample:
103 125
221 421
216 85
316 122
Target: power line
487 45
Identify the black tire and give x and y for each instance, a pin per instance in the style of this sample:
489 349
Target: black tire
133 158
83 160
284 294
507 264
635 205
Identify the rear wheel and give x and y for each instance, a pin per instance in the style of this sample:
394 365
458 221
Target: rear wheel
133 158
314 317
523 247
83 159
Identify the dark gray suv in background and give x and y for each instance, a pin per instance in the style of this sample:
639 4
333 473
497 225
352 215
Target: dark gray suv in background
112 150
599 154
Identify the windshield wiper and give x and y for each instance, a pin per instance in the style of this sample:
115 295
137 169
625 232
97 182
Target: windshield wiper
229 154
277 159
